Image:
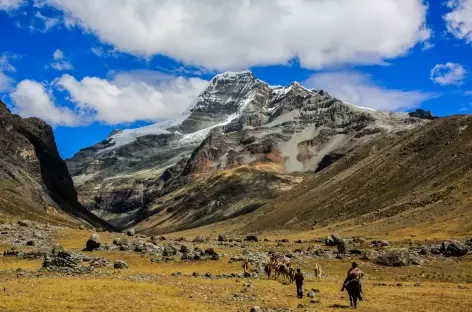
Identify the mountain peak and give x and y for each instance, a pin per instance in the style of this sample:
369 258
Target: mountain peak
233 76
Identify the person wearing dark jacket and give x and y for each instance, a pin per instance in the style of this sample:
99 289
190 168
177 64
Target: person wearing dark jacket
299 282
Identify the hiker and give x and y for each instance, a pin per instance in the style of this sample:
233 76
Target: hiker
353 273
299 282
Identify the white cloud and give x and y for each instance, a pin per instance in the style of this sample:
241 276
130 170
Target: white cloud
427 46
46 23
58 55
132 96
33 100
8 5
359 89
98 51
459 19
6 82
448 74
60 63
243 33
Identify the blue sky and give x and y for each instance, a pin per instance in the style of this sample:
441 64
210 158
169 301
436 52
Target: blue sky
88 67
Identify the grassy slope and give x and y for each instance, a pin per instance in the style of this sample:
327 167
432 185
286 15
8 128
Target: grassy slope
416 183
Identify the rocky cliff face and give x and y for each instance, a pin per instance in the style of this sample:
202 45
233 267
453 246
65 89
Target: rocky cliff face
237 121
34 180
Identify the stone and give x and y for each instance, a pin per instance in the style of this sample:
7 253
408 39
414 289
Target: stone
93 243
222 238
208 275
120 265
395 258
131 232
251 238
176 274
311 294
30 243
184 249
169 251
454 249
255 309
195 274
369 255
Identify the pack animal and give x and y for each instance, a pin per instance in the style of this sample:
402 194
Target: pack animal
353 288
317 272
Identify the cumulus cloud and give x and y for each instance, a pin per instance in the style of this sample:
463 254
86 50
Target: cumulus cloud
60 63
359 89
459 19
131 96
8 5
32 99
243 33
448 74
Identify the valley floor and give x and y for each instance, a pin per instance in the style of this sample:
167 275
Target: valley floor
440 285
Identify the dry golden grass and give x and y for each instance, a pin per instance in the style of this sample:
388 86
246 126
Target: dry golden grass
148 286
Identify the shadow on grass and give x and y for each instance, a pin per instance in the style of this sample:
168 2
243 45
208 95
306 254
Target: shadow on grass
339 306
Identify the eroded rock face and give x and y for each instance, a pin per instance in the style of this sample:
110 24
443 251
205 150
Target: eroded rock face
33 175
238 120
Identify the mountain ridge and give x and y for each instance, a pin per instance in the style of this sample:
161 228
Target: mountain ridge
237 120
34 180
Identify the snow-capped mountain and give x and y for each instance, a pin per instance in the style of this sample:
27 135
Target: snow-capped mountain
238 120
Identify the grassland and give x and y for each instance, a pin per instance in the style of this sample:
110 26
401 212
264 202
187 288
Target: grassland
148 286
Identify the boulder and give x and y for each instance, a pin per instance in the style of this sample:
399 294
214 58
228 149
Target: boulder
369 255
210 252
252 238
120 265
395 258
169 251
184 249
454 249
93 243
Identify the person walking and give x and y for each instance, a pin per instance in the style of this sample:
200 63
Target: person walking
299 282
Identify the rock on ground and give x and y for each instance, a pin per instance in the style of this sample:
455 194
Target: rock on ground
396 258
93 242
120 265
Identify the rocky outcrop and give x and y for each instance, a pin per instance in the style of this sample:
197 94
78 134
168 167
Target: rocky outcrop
34 180
422 114
237 121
